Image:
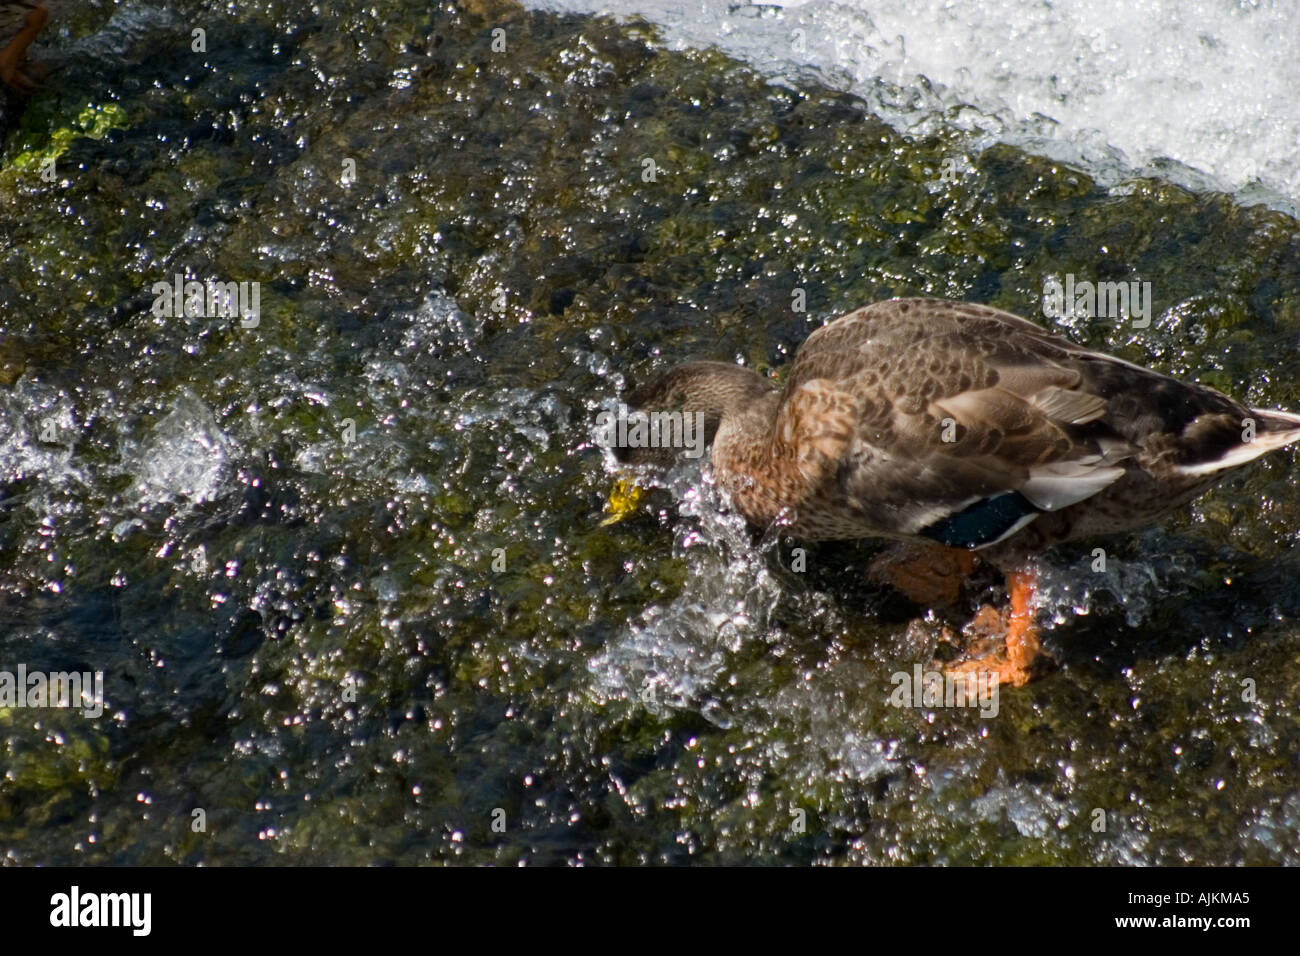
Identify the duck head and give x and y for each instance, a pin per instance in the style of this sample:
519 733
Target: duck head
680 412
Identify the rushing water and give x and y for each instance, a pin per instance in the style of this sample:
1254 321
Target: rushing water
344 568
1200 93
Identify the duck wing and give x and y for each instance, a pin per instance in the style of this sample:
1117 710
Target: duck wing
963 423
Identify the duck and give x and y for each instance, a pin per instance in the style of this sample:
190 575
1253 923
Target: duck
961 434
20 22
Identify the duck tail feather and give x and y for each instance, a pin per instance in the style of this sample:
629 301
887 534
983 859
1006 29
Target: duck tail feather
1271 430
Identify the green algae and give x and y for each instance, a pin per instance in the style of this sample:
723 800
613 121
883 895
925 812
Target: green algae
37 149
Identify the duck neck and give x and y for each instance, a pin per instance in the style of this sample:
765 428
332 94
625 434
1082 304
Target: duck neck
742 454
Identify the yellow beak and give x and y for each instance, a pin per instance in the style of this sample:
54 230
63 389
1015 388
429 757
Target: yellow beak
623 499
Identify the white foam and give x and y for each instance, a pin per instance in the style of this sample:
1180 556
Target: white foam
185 456
1200 94
38 432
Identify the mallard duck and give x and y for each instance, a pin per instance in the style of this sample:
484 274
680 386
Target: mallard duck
20 22
960 431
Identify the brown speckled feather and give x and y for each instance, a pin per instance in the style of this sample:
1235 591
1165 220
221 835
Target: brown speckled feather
903 416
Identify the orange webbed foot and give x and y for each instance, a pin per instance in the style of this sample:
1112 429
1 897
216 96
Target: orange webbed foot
16 74
1016 655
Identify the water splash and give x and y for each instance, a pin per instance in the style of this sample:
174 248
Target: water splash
1073 590
185 457
38 433
1106 85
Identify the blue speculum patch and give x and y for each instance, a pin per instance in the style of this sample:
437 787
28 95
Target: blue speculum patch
981 523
